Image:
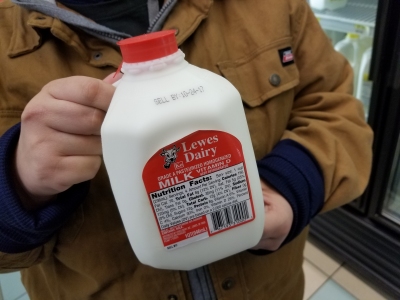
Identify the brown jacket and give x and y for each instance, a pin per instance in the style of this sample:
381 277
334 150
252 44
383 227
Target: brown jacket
90 257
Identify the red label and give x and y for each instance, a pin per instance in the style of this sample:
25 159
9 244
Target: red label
198 187
287 57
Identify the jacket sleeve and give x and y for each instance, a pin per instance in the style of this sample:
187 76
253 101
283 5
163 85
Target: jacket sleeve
295 174
26 236
326 119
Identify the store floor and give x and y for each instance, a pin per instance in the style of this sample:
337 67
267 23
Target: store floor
326 279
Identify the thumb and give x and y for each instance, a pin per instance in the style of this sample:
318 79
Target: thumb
113 77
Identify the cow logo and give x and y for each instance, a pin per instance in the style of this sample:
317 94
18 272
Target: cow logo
169 156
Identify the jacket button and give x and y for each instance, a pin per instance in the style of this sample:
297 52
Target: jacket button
172 297
228 283
97 55
275 79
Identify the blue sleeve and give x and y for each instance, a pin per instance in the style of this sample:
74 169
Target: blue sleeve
22 230
295 174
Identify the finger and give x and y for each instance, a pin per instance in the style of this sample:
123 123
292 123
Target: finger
83 90
271 238
57 144
113 77
77 145
73 170
71 117
275 226
269 244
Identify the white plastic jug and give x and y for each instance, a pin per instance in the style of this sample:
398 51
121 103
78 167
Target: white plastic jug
327 4
334 36
364 85
178 152
352 47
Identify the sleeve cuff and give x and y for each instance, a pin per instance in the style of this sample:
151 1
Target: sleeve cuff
22 230
292 171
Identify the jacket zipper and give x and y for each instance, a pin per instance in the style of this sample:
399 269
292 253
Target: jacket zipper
108 35
150 29
159 15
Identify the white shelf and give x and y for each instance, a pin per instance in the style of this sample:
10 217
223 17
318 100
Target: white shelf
358 16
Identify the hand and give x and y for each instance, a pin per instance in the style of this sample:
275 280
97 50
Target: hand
278 219
60 144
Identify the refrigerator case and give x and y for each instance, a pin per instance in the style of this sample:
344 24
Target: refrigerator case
351 29
365 234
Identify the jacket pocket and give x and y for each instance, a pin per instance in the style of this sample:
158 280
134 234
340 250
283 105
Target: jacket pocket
263 74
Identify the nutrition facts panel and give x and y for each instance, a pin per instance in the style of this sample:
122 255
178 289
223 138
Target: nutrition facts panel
222 195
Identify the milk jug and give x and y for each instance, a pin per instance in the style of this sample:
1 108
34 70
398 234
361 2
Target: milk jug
178 153
352 47
364 86
334 36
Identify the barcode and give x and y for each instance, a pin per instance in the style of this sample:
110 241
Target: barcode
230 215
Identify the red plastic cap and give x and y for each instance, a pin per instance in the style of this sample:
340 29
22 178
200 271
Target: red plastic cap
148 46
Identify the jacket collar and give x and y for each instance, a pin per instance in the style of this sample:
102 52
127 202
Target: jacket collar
28 28
187 16
184 18
24 38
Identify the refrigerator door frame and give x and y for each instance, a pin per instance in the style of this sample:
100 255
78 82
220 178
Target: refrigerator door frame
358 233
385 110
384 99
